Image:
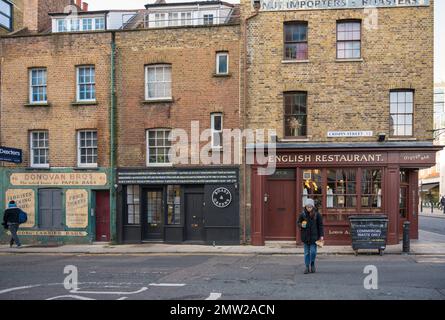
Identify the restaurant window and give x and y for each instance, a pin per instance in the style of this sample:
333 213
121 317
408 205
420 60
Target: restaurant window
38 85
39 149
295 41
174 204
348 39
158 147
158 82
133 204
295 114
401 112
371 197
341 189
313 187
6 13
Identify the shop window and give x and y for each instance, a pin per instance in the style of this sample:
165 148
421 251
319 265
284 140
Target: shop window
50 209
174 204
158 147
341 189
295 114
401 110
371 189
154 208
295 41
313 187
133 204
348 39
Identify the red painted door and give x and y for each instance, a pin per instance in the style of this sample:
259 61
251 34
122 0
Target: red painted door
102 216
280 218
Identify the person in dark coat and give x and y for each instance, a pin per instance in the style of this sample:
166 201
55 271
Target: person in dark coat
11 221
442 202
310 222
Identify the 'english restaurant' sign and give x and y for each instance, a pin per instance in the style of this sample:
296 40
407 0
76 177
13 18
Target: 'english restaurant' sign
277 5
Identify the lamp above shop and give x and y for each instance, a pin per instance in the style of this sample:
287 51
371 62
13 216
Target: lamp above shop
382 137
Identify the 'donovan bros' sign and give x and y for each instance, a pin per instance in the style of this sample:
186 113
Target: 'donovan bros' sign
276 5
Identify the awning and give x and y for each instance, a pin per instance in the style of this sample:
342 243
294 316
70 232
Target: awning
428 186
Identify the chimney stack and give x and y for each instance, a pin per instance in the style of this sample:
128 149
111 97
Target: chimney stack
35 13
79 3
85 6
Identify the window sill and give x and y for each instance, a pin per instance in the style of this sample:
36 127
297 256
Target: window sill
402 139
151 165
302 139
38 168
294 61
154 101
349 60
84 103
86 168
44 104
222 75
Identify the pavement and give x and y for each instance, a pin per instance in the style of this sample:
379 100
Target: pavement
436 213
429 243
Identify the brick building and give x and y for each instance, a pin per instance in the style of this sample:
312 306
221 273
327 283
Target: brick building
349 89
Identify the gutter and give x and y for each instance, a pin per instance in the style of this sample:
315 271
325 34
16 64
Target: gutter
112 114
244 115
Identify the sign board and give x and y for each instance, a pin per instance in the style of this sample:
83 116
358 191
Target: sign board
10 155
369 232
349 134
221 197
329 158
51 233
178 176
25 200
281 5
76 208
59 179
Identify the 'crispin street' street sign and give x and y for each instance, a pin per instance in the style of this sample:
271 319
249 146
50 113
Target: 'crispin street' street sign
10 155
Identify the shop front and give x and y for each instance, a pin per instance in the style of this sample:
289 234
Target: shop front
177 205
64 206
343 180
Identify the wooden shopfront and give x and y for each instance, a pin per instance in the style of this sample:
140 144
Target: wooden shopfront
343 181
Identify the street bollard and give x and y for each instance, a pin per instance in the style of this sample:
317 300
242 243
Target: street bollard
406 240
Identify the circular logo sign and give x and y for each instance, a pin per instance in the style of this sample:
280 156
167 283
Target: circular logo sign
221 197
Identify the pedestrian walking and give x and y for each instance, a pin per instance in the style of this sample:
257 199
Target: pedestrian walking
310 222
12 219
442 203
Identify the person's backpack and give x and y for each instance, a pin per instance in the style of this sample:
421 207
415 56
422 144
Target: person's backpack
23 217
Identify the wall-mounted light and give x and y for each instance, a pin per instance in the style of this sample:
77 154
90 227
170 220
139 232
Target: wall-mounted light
256 4
382 137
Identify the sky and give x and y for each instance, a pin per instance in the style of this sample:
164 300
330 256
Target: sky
439 27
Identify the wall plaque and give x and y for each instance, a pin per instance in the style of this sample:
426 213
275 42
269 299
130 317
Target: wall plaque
76 208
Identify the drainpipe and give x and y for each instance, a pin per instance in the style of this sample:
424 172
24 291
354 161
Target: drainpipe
112 114
244 116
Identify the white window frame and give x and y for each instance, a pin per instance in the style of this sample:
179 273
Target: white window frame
102 24
147 146
185 19
32 149
86 24
218 55
78 84
213 130
86 165
161 19
147 81
65 25
207 16
31 86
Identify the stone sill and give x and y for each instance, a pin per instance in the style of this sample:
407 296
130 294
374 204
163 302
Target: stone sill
87 168
222 75
46 104
349 60
38 168
294 140
84 103
402 139
294 61
155 101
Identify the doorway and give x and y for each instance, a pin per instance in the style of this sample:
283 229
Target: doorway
403 200
153 214
102 216
194 215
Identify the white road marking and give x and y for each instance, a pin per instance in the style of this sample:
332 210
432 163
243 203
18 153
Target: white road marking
167 284
71 296
123 298
19 288
214 296
110 292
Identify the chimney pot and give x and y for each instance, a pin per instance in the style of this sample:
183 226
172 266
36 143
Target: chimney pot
79 3
84 6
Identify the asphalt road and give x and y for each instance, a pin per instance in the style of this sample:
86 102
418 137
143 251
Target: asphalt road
432 224
233 277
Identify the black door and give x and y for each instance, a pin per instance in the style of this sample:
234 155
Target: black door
194 203
50 209
152 219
